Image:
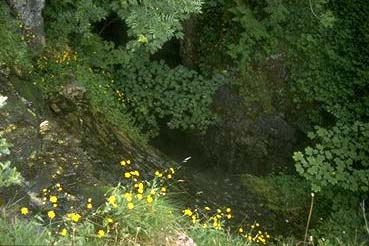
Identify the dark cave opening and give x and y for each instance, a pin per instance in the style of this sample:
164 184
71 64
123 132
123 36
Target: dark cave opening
113 29
169 52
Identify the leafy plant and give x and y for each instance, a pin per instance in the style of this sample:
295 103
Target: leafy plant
8 175
154 93
340 158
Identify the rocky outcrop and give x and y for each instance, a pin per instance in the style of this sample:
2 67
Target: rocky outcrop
72 146
30 13
255 143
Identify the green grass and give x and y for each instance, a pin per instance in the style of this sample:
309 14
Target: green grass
22 232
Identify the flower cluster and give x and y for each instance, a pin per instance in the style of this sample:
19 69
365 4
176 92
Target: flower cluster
135 197
209 218
254 234
63 220
65 57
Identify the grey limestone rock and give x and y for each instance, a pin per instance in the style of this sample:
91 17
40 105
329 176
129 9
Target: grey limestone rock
30 13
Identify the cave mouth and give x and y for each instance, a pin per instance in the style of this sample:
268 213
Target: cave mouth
170 52
113 29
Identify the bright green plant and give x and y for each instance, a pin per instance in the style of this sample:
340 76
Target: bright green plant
340 158
150 23
179 97
8 175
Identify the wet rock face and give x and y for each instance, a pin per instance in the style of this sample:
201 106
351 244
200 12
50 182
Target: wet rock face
30 13
243 141
189 42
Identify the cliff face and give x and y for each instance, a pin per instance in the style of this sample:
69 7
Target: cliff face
77 149
30 13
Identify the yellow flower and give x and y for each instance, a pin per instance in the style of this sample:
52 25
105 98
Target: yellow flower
139 196
128 162
172 170
123 163
89 199
53 199
187 212
149 199
101 234
24 211
127 175
55 205
51 214
130 205
215 224
158 174
140 186
63 232
169 176
140 191
194 219
44 190
109 220
128 196
163 189
207 208
75 217
135 173
89 205
229 216
240 230
112 200
142 39
257 224
228 210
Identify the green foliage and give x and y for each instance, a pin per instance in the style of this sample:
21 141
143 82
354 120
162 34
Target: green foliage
179 97
260 38
151 92
19 232
344 226
8 175
285 195
329 71
150 23
13 47
340 158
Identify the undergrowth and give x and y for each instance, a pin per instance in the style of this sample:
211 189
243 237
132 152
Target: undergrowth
136 211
